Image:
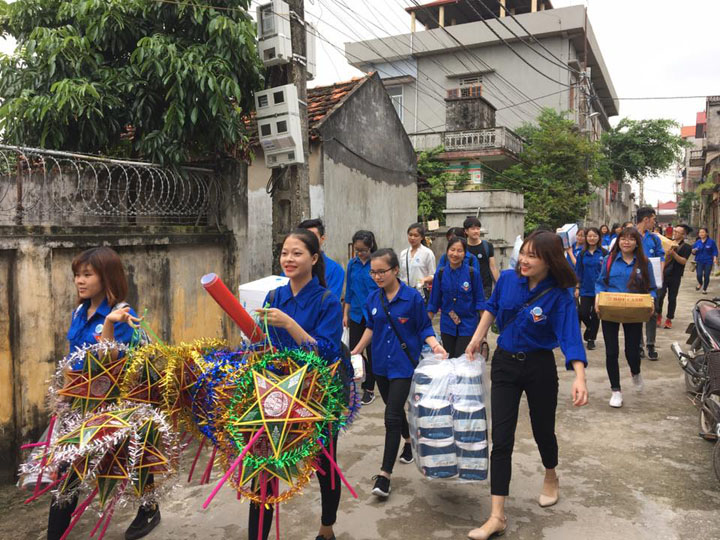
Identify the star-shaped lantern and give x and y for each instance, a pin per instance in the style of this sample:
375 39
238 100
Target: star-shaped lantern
97 382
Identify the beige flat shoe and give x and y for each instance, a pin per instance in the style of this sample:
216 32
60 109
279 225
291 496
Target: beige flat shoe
493 527
548 499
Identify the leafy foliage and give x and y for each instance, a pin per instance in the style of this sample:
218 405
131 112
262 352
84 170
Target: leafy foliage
685 205
179 76
558 170
637 149
432 200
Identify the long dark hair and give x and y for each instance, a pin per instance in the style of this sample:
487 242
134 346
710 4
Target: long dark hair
313 246
420 230
367 238
549 248
604 225
109 268
639 281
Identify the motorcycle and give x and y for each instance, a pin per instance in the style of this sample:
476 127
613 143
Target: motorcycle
702 370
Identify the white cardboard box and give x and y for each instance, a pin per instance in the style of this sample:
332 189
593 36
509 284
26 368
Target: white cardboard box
568 232
656 264
252 295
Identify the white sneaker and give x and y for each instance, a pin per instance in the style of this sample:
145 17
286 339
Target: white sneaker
638 382
616 399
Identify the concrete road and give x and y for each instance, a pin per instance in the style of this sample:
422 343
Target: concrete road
640 472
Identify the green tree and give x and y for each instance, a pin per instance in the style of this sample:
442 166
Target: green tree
558 170
684 209
637 149
179 76
432 198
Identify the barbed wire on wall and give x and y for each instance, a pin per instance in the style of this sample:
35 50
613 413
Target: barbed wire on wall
46 187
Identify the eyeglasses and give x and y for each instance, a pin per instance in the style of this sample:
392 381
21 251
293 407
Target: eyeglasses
379 273
362 250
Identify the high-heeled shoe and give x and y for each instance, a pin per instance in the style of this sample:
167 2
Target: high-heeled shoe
493 527
548 500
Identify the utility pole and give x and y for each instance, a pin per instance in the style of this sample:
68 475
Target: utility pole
291 185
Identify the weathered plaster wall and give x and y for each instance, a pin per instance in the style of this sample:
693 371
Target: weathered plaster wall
37 297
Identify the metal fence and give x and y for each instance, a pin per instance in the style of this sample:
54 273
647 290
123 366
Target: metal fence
45 187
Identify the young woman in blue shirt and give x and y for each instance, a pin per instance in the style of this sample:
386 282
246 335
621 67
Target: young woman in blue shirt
535 313
397 326
625 270
358 287
706 253
101 314
300 313
589 264
457 292
605 235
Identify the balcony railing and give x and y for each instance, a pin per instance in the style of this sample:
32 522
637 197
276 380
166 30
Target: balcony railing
697 157
469 140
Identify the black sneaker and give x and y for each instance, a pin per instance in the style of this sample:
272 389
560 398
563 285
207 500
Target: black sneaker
591 345
321 537
368 397
642 353
406 456
382 486
652 353
146 520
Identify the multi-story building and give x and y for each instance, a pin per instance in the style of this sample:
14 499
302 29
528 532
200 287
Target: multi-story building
470 72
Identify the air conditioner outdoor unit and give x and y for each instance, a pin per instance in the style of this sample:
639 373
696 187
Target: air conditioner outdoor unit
274 43
278 100
311 52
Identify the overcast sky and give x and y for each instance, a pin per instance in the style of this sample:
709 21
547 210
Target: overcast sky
651 48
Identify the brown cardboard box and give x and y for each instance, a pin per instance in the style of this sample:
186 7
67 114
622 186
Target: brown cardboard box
625 307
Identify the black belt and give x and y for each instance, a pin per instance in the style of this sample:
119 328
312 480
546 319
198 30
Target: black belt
522 355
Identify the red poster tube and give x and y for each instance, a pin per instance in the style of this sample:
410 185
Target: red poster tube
222 295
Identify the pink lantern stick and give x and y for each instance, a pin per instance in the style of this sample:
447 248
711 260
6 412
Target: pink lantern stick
335 466
109 512
222 295
43 462
263 498
78 514
33 445
208 469
318 468
45 490
197 455
234 465
277 509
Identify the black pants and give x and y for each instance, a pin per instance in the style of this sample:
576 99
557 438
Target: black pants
394 393
537 377
703 271
330 499
59 517
670 287
589 317
455 345
356 332
633 337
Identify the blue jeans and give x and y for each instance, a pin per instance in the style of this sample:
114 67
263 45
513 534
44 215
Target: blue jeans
703 274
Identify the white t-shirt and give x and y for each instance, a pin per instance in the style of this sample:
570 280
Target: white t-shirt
418 267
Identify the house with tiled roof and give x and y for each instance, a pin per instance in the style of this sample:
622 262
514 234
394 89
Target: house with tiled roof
362 172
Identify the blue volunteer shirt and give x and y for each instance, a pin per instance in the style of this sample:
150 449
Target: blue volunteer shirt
458 292
407 309
322 319
607 240
334 276
547 323
84 331
706 250
652 245
620 273
358 287
469 259
588 268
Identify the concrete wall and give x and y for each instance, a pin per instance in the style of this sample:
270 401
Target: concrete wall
469 113
713 123
369 171
37 297
501 212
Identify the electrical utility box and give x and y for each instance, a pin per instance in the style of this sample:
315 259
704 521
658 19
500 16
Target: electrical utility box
311 64
274 43
279 130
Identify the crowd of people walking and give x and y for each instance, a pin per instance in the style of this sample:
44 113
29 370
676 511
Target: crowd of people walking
388 303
